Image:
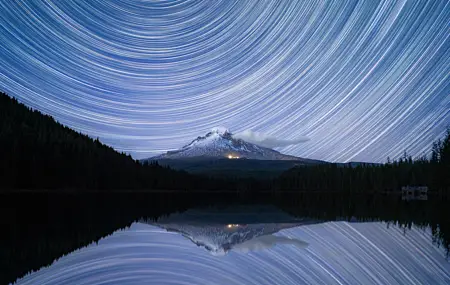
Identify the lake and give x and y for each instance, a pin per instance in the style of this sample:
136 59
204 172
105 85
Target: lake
223 238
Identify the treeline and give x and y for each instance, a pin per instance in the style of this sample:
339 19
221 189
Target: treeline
39 153
433 172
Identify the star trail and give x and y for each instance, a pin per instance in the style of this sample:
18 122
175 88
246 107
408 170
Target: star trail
338 253
363 80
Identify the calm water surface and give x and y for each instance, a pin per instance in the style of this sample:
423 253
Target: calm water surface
253 244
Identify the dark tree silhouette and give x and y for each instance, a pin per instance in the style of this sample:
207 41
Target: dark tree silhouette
39 153
375 178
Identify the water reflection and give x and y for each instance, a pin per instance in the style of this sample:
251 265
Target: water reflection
238 228
166 252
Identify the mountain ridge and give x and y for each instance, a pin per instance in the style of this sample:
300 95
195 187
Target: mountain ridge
220 143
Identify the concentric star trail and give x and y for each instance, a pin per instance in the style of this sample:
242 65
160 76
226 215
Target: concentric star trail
338 253
362 79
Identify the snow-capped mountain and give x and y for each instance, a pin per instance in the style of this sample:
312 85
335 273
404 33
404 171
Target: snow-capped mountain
220 143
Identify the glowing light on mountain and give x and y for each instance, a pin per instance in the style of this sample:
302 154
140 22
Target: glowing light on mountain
233 157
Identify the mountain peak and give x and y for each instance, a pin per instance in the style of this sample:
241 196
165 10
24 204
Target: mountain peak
221 143
220 130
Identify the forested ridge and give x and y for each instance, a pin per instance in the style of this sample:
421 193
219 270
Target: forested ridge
39 153
384 178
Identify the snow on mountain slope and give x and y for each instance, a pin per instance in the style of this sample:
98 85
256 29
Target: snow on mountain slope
220 143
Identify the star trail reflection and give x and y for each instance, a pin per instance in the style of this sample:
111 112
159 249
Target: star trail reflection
338 253
363 79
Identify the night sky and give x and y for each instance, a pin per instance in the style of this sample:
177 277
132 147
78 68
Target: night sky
363 80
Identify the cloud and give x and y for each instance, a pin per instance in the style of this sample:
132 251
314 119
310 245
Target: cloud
266 140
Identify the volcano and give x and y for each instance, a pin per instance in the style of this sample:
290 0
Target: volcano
220 143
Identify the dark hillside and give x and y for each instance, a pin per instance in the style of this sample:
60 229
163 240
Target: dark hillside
231 168
39 153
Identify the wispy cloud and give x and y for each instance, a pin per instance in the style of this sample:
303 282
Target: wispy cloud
266 140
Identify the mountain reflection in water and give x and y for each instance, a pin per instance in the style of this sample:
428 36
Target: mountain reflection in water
291 251
239 228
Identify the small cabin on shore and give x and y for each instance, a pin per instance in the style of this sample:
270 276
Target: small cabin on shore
414 193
